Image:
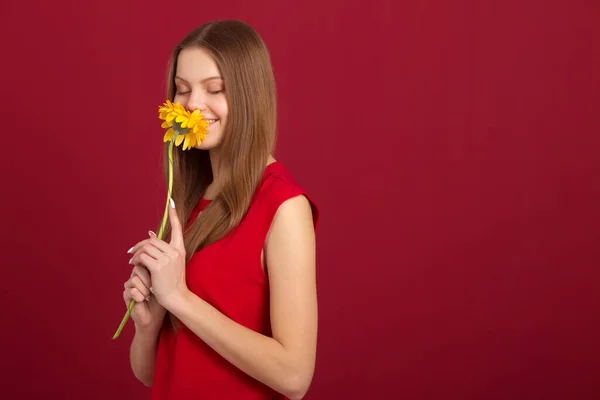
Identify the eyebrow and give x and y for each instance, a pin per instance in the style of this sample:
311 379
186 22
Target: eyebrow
210 78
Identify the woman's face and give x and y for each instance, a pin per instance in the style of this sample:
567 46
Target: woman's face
199 86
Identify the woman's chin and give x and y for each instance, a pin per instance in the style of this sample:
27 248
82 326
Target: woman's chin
205 145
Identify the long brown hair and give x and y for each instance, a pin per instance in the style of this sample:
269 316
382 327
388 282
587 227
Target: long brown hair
249 136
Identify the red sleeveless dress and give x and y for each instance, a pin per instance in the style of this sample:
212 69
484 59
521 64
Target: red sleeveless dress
228 275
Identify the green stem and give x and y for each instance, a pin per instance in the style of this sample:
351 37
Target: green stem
169 190
160 233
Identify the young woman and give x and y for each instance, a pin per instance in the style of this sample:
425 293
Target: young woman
226 303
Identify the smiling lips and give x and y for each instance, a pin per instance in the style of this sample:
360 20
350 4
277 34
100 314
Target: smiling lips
211 120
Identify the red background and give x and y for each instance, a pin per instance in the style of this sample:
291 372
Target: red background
452 147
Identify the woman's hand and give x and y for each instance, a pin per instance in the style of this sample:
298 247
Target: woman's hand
147 312
165 261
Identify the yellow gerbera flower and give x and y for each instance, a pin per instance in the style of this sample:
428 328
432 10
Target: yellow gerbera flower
187 127
184 127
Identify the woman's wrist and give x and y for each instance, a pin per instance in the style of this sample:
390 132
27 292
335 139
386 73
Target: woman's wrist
177 301
147 334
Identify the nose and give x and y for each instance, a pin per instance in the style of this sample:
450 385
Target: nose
196 102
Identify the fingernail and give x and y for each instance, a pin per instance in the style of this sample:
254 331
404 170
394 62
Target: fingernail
151 233
130 250
172 202
130 260
148 298
151 289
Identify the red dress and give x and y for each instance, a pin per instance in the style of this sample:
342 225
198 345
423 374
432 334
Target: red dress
228 275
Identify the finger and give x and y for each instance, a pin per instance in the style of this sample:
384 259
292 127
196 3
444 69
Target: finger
133 249
156 242
127 295
150 263
136 295
143 274
151 249
128 282
176 230
139 285
161 245
148 248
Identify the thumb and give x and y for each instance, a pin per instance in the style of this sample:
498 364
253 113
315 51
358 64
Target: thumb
176 230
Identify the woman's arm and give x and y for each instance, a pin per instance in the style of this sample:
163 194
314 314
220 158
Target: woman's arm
148 316
142 354
286 361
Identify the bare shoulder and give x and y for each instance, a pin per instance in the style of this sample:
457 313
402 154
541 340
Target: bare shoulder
293 214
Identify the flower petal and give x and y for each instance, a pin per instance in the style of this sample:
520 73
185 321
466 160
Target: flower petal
168 135
186 142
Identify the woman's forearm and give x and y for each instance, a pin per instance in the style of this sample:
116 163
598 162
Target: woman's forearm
142 355
262 357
